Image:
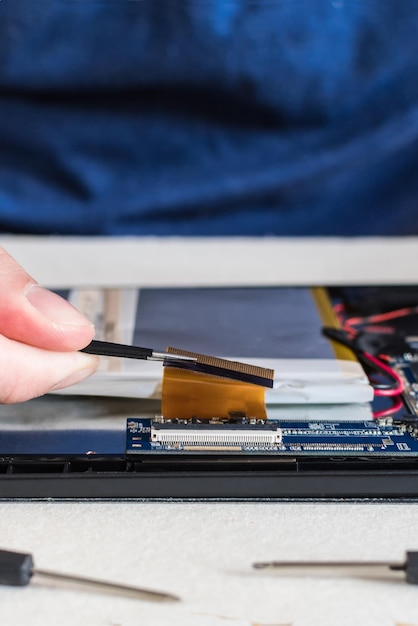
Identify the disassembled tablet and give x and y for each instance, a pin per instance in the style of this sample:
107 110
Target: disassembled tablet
214 438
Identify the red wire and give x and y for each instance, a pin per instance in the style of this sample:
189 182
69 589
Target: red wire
396 406
391 372
339 310
348 326
378 362
381 317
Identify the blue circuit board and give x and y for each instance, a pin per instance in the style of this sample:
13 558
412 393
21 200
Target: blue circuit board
270 437
407 369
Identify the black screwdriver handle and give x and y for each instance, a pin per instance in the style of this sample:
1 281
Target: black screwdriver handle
411 568
16 568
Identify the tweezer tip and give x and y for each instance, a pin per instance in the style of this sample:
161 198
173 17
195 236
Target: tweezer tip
167 356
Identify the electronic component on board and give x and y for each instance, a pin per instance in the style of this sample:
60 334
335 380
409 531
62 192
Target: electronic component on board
407 369
216 435
269 437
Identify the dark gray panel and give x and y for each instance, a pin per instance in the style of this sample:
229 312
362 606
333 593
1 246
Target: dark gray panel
242 322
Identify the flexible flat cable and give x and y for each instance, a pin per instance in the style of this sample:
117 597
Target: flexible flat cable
213 387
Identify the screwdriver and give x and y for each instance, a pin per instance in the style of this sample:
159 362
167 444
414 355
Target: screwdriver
409 567
17 569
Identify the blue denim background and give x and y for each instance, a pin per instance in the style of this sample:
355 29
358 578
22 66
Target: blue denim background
209 117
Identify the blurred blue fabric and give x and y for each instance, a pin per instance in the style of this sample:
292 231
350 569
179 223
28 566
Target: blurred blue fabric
209 117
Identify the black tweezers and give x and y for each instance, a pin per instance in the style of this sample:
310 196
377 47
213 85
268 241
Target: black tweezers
105 348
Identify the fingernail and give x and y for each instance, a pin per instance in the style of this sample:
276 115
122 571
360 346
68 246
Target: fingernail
57 309
75 377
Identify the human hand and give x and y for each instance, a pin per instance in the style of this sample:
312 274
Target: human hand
40 334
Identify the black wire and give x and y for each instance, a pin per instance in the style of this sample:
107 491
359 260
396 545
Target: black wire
342 337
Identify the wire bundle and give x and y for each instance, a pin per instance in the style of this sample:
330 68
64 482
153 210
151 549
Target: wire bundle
378 366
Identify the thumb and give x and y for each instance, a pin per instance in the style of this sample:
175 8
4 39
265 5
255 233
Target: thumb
29 372
35 316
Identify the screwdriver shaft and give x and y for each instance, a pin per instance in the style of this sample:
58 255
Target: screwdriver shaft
351 569
327 564
102 585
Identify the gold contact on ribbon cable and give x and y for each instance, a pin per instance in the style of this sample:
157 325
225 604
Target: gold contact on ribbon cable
187 393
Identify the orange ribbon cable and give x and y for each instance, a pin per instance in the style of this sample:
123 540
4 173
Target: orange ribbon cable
188 394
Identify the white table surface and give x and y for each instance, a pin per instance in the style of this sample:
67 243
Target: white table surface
203 550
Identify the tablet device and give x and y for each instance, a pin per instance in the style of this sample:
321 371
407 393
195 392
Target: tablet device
75 446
